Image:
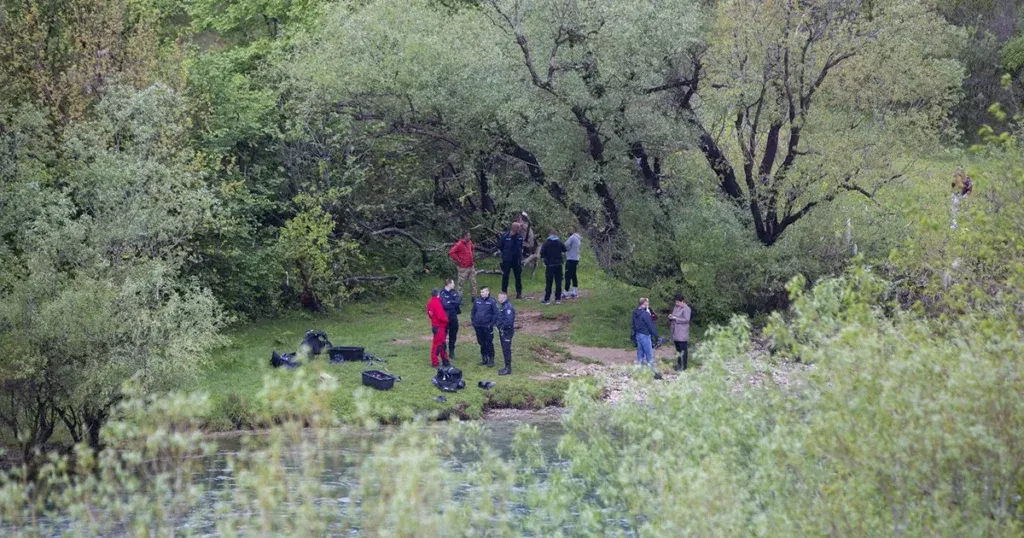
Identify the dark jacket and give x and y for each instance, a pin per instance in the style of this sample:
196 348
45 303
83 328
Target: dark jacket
451 300
506 316
511 248
643 324
485 312
552 251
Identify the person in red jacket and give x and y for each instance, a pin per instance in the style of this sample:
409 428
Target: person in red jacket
464 257
439 325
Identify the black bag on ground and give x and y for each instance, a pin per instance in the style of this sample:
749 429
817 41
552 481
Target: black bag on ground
449 379
315 342
287 360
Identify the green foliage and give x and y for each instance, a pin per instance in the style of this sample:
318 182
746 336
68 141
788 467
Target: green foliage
904 425
94 299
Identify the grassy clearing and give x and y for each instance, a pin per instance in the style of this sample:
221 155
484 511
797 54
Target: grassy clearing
397 328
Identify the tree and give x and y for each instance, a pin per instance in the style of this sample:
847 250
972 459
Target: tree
796 103
95 299
548 96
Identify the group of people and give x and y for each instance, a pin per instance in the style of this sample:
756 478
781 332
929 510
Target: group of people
646 333
520 240
444 308
519 243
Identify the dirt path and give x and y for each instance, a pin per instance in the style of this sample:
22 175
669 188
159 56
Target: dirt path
612 367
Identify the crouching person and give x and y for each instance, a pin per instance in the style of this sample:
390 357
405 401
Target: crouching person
506 330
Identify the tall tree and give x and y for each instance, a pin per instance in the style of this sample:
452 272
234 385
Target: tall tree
798 102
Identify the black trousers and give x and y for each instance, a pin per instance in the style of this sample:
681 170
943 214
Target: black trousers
505 335
453 332
570 274
485 337
553 273
515 267
683 348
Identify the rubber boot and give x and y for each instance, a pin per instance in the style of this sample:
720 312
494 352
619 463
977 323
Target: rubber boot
445 363
483 360
490 361
507 369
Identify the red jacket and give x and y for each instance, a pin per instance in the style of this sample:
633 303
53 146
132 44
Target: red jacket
462 254
435 311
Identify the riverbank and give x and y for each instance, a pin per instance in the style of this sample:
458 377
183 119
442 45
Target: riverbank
553 346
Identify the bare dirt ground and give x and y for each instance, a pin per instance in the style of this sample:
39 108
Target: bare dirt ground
614 368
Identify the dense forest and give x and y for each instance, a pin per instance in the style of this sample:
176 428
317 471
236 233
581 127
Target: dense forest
171 169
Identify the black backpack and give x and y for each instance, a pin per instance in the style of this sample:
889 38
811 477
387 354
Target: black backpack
449 379
316 341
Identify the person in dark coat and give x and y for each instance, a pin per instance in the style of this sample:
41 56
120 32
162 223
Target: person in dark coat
511 247
551 253
438 325
484 316
646 335
506 330
451 300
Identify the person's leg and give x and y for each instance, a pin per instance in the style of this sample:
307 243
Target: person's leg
686 353
575 280
518 271
568 274
505 268
489 336
433 347
460 280
640 347
557 273
649 352
472 278
506 350
481 340
549 278
453 334
679 354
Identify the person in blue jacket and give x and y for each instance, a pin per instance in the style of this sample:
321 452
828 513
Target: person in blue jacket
506 330
484 316
646 335
451 300
511 248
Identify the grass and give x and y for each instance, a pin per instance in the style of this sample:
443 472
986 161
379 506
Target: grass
397 329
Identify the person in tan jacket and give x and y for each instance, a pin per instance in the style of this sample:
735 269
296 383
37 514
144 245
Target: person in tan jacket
679 322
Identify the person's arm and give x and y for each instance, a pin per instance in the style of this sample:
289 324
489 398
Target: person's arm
454 251
472 313
651 326
564 248
494 312
687 313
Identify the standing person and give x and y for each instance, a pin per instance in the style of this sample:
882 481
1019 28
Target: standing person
439 325
506 330
463 254
572 260
511 246
551 253
531 250
451 300
484 316
646 334
679 320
